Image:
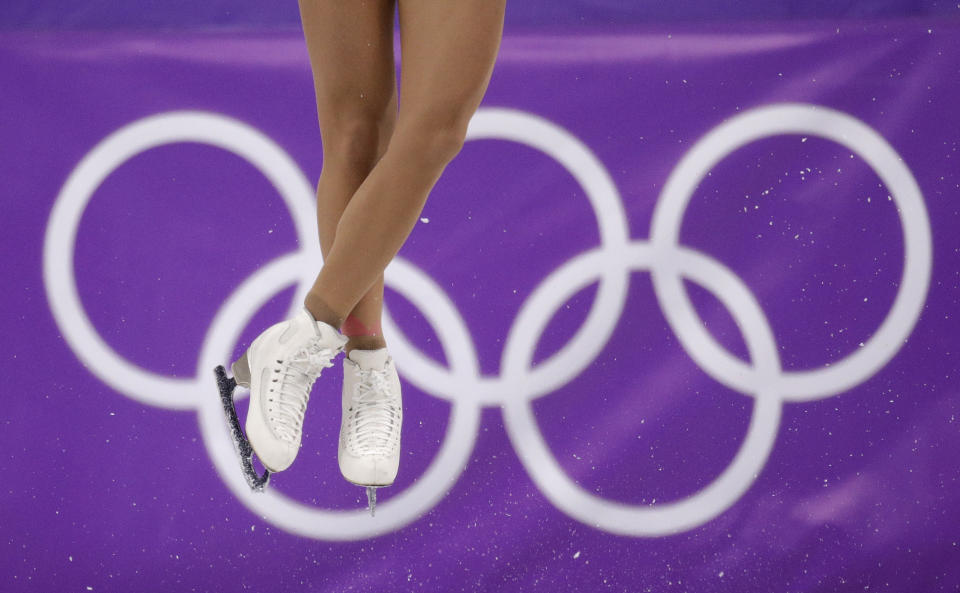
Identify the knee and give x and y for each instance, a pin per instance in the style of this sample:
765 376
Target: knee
445 143
433 144
355 141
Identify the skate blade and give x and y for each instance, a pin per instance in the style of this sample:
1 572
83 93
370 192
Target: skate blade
227 385
372 499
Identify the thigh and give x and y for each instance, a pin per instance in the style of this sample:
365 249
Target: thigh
448 51
351 54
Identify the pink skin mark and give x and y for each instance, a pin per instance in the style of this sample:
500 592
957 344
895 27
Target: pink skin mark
353 328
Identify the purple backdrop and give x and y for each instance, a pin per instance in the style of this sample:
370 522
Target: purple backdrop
179 14
808 445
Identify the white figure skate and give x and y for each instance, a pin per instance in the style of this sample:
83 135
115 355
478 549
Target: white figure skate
369 451
279 367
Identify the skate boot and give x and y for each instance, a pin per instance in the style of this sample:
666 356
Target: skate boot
280 368
369 451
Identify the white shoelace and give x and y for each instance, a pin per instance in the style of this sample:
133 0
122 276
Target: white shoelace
293 379
376 416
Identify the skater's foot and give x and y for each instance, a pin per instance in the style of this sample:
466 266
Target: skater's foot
369 452
280 367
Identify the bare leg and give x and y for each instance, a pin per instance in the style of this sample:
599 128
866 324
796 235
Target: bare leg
351 54
449 48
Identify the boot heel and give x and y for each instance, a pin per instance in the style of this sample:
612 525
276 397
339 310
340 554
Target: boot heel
241 371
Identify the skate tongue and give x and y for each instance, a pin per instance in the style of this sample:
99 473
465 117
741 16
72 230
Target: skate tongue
370 359
325 332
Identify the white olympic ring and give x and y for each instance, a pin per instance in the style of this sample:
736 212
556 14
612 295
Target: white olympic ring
519 383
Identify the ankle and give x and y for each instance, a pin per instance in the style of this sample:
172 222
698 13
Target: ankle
362 335
321 311
365 343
